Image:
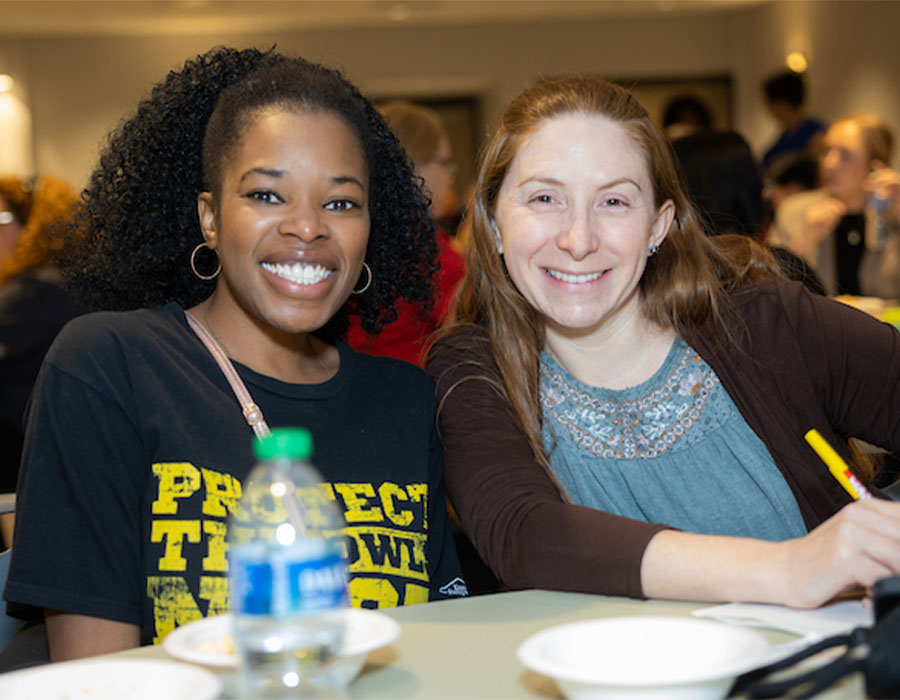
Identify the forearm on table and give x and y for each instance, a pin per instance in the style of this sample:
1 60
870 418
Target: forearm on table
710 568
72 636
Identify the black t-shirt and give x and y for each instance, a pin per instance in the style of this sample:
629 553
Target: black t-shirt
849 242
136 450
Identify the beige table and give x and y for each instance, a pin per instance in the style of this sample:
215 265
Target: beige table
466 648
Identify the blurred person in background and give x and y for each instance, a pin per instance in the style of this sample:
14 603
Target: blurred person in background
685 115
725 185
785 95
424 137
789 176
849 229
34 306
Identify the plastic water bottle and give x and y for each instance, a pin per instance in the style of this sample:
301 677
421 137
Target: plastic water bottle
288 574
875 210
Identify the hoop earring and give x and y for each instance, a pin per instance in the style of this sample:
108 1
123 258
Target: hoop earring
368 282
215 274
653 251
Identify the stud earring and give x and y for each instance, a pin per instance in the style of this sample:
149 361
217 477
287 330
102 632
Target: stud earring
654 249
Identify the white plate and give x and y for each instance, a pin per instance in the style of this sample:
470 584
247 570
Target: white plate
208 641
120 679
646 657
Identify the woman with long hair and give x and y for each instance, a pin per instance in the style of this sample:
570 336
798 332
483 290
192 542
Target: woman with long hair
249 206
623 400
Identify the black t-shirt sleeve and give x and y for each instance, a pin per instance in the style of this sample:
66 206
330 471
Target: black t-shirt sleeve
79 498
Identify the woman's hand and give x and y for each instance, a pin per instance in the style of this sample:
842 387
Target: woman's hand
820 220
855 547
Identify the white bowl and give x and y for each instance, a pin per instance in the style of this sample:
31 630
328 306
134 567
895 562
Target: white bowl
644 657
209 641
111 679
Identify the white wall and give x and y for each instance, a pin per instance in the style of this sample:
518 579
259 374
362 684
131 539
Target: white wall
853 48
80 87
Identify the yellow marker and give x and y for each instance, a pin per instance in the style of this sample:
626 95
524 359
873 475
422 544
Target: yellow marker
838 467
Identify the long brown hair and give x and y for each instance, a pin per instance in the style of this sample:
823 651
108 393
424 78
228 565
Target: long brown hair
682 284
40 206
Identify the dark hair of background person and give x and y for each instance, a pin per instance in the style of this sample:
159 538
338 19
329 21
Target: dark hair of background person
723 181
795 169
687 109
785 87
725 185
131 242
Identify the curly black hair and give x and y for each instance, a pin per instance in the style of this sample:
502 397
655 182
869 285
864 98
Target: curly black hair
130 243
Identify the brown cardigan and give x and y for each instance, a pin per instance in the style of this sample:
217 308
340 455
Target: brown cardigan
794 361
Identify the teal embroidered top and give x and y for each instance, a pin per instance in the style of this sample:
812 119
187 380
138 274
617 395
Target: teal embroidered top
671 450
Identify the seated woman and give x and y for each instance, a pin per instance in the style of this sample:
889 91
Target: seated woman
853 245
34 306
623 406
136 446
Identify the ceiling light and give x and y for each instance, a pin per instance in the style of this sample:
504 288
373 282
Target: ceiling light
6 83
399 12
796 61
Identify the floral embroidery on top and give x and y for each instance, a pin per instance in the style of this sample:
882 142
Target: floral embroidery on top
675 413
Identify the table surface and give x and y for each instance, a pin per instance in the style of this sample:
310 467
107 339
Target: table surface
466 648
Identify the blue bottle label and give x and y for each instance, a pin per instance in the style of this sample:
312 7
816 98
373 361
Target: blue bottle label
295 581
317 585
253 588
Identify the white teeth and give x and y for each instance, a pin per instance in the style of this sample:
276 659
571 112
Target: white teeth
299 273
574 279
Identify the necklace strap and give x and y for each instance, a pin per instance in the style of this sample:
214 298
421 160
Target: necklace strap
252 413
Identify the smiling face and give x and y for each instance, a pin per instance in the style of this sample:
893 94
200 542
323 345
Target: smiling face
577 217
290 222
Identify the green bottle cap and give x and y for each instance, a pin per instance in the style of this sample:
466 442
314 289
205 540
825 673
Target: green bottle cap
294 443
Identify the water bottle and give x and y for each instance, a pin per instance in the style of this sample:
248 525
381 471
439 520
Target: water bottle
288 574
875 210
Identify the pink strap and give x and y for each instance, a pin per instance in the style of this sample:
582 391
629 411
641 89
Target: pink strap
252 412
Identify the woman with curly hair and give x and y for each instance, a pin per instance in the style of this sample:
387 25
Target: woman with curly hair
624 400
34 306
248 199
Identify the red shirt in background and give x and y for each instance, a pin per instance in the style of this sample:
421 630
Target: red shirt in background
407 338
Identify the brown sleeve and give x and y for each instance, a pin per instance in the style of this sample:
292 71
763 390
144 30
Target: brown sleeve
508 505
